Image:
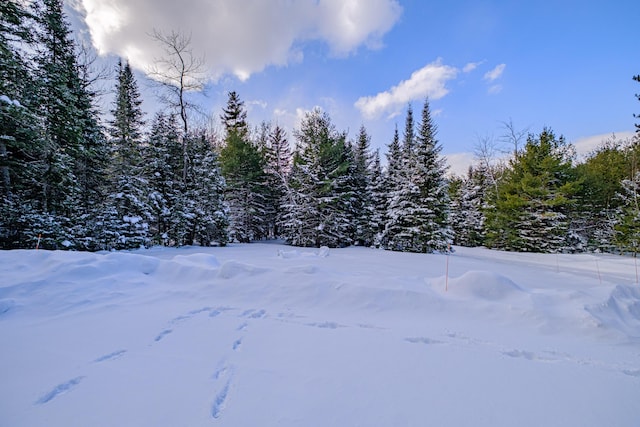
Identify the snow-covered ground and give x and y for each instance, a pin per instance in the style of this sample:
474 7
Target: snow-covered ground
269 335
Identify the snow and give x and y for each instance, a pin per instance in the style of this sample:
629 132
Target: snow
265 334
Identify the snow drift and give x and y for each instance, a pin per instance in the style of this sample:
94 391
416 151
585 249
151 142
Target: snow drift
264 334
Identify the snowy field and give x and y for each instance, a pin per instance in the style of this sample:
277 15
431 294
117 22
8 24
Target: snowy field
270 335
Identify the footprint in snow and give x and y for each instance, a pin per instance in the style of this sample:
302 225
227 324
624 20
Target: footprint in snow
110 356
58 390
163 334
423 340
254 314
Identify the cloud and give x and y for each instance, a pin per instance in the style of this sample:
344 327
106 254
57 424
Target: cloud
471 66
495 73
237 37
429 81
459 163
585 145
495 89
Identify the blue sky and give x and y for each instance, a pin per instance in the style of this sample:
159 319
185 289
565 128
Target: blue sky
563 64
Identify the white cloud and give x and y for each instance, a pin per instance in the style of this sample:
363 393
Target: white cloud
495 73
428 81
471 66
237 37
459 163
585 145
495 89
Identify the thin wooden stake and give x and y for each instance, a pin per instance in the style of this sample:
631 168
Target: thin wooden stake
38 243
446 275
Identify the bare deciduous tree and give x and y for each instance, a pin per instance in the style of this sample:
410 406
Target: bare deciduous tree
178 72
513 136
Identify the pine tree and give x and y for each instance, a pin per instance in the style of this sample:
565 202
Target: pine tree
242 166
598 203
22 145
163 170
320 188
378 192
467 208
362 203
76 149
533 203
277 167
418 203
206 191
128 214
429 175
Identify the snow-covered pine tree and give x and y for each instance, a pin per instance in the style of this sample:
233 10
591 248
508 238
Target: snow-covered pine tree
76 147
163 171
378 192
401 232
533 201
467 208
242 166
429 175
318 210
206 191
362 203
127 211
277 167
22 143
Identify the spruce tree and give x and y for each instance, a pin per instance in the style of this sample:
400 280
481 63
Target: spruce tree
163 170
533 203
277 167
127 210
378 191
319 211
467 216
76 151
242 166
22 142
362 203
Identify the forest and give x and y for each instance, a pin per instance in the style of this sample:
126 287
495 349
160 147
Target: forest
79 178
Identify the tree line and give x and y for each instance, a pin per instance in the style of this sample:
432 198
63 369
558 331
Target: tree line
70 181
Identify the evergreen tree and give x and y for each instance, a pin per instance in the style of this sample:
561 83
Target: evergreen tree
362 203
206 191
128 214
76 151
22 145
242 166
163 171
598 203
418 206
378 191
277 167
467 208
534 201
320 188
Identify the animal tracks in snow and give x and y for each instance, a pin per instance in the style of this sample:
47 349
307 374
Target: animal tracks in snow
59 389
110 356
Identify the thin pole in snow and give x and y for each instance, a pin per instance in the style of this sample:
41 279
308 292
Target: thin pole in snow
446 275
38 242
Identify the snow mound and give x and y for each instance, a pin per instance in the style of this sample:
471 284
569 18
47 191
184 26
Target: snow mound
198 260
231 269
485 285
322 252
621 311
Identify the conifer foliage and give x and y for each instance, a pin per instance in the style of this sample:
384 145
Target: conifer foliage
418 215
